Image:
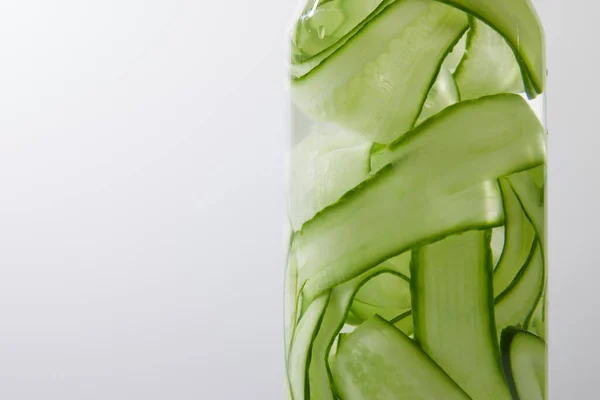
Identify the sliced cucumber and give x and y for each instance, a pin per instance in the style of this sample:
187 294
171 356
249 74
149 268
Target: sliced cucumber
388 290
302 342
531 198
517 303
454 58
441 191
489 65
377 361
519 240
443 93
453 312
324 166
404 322
324 23
377 83
517 22
290 306
332 323
524 357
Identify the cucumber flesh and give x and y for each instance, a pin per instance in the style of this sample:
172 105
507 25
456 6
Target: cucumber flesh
524 357
441 191
290 306
332 322
303 63
518 23
377 361
517 303
324 23
443 93
370 85
489 65
300 352
453 312
325 165
519 239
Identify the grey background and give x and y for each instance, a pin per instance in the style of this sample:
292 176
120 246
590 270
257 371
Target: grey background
141 205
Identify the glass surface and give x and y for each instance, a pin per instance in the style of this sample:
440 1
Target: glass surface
416 265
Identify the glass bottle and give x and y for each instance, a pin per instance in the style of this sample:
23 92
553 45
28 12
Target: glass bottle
416 266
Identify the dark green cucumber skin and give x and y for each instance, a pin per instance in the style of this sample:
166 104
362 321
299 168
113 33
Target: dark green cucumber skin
507 337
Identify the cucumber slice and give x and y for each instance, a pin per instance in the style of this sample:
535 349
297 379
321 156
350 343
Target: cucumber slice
525 363
324 23
404 322
519 240
290 306
325 165
377 83
453 312
377 361
302 342
518 23
332 323
489 65
443 93
517 303
388 290
532 200
303 63
441 191
454 58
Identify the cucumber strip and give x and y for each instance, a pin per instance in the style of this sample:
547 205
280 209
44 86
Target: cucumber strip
518 242
377 361
325 165
517 22
453 307
377 83
404 322
454 58
538 174
436 187
388 290
299 357
498 234
524 357
290 305
489 65
537 325
443 93
515 305
365 311
324 24
531 198
333 321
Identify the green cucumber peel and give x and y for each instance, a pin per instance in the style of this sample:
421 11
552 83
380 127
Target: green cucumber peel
448 178
453 311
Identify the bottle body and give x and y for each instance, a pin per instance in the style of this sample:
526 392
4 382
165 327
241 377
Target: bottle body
417 260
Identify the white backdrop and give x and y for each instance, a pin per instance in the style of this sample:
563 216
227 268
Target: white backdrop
141 206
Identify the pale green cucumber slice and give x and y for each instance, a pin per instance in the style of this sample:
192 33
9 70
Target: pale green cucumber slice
443 93
519 240
333 320
388 290
454 58
324 166
324 23
532 200
453 311
302 342
290 305
404 322
489 65
303 64
498 234
377 361
518 23
435 186
517 303
524 357
377 83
